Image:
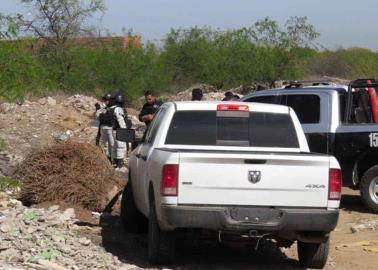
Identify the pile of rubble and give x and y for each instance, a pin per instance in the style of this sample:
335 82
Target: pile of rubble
39 123
8 162
33 238
210 93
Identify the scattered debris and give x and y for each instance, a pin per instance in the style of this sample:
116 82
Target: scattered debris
210 93
61 137
371 249
8 162
41 237
371 225
358 244
50 101
7 107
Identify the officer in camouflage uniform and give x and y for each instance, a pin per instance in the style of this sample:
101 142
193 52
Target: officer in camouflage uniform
105 127
119 117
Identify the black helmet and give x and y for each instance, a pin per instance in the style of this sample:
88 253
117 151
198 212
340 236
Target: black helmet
119 99
107 97
197 94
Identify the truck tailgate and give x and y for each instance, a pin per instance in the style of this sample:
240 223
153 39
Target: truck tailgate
253 179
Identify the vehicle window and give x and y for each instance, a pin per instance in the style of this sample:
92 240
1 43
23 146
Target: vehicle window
192 128
361 112
264 99
154 126
307 107
342 100
253 129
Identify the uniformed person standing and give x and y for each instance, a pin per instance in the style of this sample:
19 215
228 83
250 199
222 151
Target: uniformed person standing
149 108
197 94
105 127
119 116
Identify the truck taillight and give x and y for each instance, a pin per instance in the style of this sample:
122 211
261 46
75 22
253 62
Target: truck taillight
335 184
169 180
233 107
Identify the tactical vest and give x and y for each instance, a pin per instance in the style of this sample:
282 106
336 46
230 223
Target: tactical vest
108 118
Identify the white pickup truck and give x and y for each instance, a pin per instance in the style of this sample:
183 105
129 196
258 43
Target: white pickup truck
235 168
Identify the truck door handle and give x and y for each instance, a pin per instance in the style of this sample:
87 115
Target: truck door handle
254 161
138 155
144 157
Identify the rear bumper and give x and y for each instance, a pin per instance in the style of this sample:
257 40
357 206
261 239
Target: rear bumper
249 218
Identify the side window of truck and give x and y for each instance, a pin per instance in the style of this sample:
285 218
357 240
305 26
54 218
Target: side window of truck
154 126
307 107
265 99
360 112
342 105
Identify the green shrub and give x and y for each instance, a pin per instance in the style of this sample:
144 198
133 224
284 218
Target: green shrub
22 74
7 182
195 55
3 145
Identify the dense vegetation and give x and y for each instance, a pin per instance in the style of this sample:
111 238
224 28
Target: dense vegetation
260 54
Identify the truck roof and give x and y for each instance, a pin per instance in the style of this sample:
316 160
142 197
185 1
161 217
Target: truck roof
212 106
328 88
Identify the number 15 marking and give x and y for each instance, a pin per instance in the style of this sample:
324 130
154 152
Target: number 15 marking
373 139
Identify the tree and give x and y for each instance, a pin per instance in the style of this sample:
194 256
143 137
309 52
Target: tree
296 34
9 26
56 23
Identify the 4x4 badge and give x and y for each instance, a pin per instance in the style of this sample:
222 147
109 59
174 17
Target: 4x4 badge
254 176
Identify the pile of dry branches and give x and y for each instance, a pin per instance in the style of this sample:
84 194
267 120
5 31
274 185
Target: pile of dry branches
76 173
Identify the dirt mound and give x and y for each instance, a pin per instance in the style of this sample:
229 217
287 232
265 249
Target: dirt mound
77 173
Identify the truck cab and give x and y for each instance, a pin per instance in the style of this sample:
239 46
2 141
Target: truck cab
337 120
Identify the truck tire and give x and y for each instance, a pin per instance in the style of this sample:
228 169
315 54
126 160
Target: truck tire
161 244
313 255
133 221
369 189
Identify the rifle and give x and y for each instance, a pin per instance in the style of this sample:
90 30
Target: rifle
98 135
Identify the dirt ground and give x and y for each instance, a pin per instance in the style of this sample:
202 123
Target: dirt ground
346 250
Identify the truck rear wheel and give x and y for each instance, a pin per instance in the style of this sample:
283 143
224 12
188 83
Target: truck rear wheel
133 221
313 255
369 189
161 244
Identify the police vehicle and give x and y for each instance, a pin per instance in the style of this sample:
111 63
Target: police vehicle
338 120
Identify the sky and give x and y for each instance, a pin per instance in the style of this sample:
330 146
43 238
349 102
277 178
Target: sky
341 23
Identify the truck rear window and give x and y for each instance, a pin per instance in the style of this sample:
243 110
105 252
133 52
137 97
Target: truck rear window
255 129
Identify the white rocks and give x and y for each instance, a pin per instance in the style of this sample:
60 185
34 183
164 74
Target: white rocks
58 238
67 215
84 241
43 101
61 137
50 101
371 225
4 228
7 107
81 103
42 238
53 208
